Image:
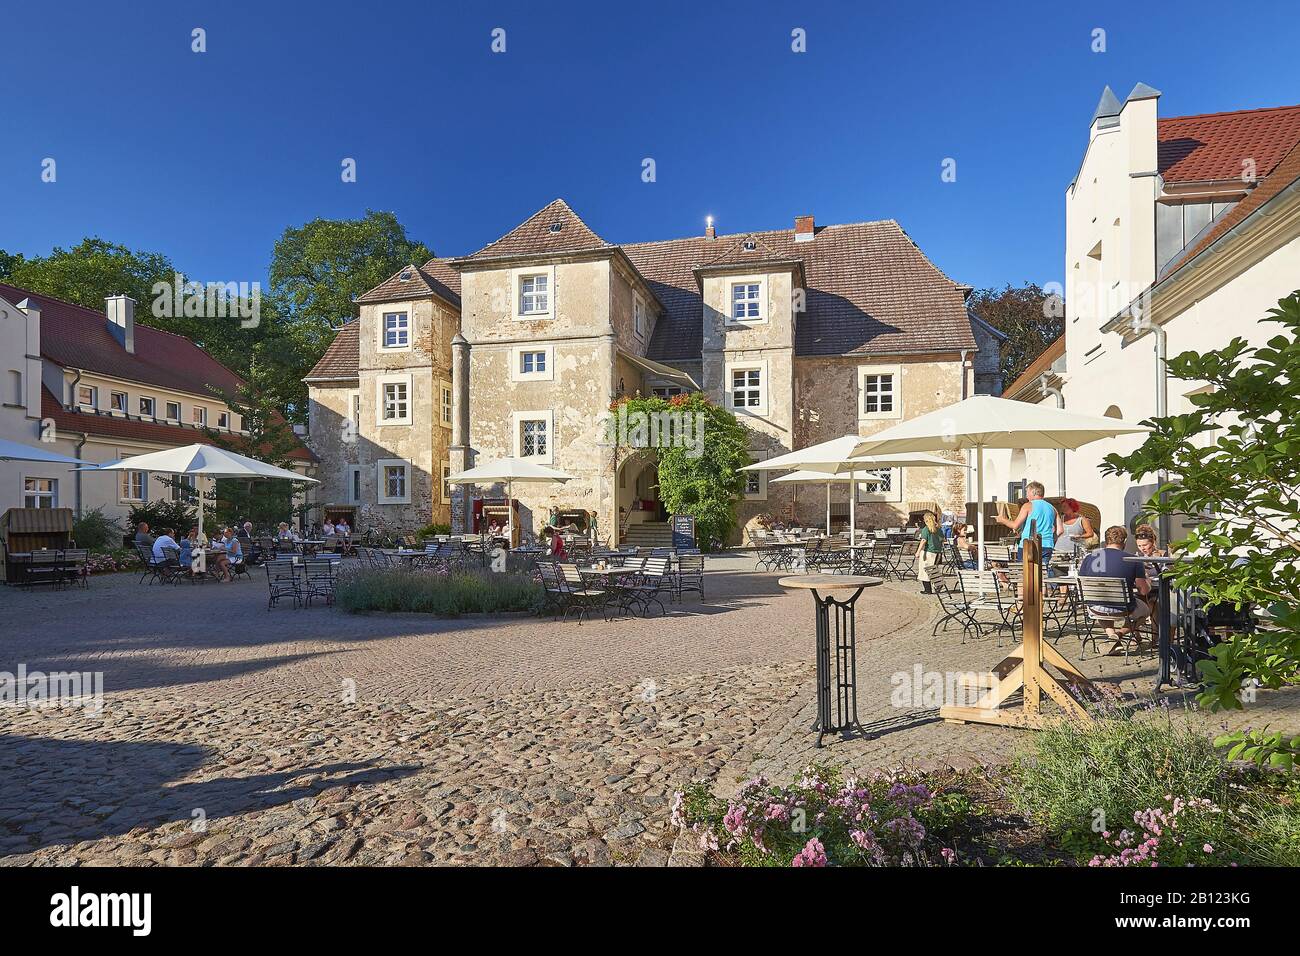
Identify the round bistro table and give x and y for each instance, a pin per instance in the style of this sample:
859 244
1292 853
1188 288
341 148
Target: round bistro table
837 617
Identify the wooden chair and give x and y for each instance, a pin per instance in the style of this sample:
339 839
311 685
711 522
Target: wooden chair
1100 593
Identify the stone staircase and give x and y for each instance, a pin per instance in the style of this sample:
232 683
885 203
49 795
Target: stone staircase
649 534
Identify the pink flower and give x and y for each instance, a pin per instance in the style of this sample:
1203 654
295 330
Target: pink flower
813 854
1207 848
949 855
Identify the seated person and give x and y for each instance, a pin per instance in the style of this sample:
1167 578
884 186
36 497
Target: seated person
245 532
228 553
164 541
555 543
142 535
327 529
342 528
284 535
1109 562
187 550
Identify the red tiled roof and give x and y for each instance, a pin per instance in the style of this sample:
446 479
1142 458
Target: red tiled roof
74 336
537 235
1029 377
1284 174
435 277
1211 147
869 290
342 357
129 429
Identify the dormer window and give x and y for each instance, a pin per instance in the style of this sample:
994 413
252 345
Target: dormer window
749 245
405 275
556 226
88 396
397 330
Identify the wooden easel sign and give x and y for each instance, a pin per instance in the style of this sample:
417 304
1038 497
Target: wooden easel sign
1026 668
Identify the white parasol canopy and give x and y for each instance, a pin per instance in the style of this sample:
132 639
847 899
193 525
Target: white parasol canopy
987 422
201 460
17 451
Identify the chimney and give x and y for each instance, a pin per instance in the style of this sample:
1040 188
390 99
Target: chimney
803 228
709 231
120 310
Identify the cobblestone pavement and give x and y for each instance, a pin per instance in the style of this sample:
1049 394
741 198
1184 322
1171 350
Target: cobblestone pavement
230 734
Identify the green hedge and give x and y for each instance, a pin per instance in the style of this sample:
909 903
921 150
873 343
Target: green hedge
447 595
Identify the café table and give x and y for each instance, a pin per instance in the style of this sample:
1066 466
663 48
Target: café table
837 616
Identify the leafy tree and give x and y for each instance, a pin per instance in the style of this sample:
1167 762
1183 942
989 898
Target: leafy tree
317 270
8 262
270 438
1235 462
91 271
699 477
1029 317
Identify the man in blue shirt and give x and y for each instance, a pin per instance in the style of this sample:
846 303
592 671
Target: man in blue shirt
1109 562
1037 517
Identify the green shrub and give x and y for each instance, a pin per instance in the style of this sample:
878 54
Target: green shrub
165 514
447 595
433 530
1069 777
96 531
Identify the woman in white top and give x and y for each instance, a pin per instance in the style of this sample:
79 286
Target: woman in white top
327 529
1078 529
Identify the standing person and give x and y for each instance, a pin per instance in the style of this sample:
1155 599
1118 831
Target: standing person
932 538
1036 517
1077 527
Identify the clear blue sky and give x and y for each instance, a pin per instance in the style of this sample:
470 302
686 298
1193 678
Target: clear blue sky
208 157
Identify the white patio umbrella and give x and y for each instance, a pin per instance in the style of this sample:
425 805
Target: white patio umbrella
508 470
836 457
17 451
200 460
987 422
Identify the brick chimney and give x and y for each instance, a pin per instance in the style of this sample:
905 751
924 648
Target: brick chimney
120 310
803 228
709 231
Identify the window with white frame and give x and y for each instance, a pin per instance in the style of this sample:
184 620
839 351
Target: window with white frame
133 484
394 476
638 316
885 484
535 294
747 301
200 415
878 391
40 492
747 388
445 473
534 438
182 488
174 411
148 406
87 396
444 404
395 401
397 330
756 481
532 363
117 401
223 419
356 408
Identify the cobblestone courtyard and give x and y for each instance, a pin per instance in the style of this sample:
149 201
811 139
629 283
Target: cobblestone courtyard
232 735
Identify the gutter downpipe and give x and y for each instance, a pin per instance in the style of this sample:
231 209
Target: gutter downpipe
1060 452
1144 323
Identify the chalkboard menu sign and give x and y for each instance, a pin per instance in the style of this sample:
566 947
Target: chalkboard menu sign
683 531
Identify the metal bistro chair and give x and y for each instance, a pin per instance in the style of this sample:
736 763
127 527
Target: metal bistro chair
559 596
690 574
983 593
282 581
45 567
74 566
584 598
151 570
903 560
318 580
652 580
1110 592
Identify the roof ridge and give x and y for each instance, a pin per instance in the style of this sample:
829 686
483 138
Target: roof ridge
102 315
760 232
1258 109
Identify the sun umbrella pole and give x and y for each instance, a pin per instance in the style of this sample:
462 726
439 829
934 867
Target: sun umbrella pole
828 508
853 523
979 498
198 487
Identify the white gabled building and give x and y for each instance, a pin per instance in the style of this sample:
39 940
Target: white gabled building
1184 228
